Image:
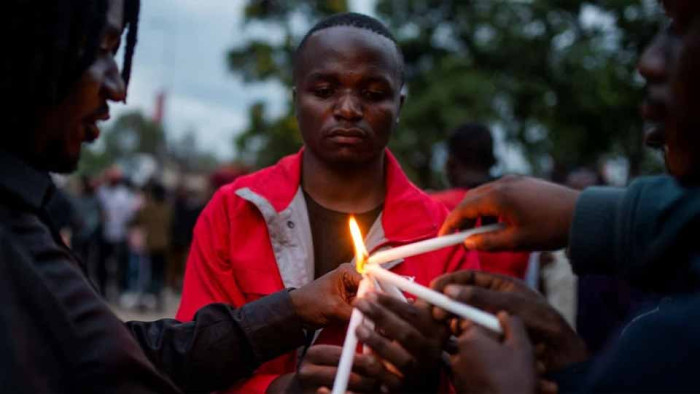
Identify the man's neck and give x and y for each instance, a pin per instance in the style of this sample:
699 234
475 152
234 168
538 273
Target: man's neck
352 190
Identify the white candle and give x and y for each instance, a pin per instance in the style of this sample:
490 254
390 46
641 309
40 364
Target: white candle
433 297
429 245
346 357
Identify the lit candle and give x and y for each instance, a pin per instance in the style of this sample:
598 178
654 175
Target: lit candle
429 245
342 376
433 297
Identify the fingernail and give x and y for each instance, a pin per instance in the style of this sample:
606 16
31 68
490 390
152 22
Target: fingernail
451 291
361 304
469 243
362 332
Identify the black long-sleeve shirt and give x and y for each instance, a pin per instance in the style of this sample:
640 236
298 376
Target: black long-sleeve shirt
57 335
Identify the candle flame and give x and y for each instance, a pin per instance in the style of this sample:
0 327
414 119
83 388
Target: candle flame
361 254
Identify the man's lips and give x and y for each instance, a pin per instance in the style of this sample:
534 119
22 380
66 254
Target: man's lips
347 136
92 131
654 114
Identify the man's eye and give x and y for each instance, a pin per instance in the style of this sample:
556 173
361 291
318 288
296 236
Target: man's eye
374 95
323 92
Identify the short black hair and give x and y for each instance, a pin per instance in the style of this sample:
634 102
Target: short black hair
352 19
49 45
472 145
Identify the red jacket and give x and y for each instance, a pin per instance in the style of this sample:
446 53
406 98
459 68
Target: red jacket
254 239
507 263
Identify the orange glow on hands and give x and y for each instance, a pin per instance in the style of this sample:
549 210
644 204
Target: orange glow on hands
361 254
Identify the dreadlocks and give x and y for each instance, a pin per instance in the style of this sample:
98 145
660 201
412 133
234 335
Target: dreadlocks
49 45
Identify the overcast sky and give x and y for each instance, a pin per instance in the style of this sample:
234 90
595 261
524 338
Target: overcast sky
181 49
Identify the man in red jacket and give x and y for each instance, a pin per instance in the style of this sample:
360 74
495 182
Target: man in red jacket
469 162
287 225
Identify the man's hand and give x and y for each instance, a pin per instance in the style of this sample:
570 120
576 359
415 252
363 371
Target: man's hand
328 298
537 214
484 364
410 340
320 366
556 342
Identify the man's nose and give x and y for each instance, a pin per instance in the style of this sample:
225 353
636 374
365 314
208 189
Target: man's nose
348 107
653 65
114 86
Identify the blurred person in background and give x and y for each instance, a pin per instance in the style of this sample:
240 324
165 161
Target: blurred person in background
86 236
118 204
155 220
186 209
469 163
57 335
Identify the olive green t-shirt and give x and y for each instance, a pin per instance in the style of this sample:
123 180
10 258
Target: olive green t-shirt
331 234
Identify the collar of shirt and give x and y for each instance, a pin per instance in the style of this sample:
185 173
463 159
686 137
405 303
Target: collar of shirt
25 183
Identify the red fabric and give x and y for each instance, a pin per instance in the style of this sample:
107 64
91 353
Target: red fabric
231 259
507 263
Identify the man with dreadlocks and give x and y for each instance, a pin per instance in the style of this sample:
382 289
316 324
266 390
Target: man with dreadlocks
56 334
292 218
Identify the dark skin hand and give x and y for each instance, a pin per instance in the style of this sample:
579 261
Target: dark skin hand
327 299
407 337
556 343
537 214
317 372
485 364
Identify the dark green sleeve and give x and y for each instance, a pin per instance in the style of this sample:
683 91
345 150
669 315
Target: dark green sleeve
592 237
643 234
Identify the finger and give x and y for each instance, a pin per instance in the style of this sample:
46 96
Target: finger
466 325
386 349
471 208
460 277
371 367
548 387
498 240
311 375
490 300
514 332
323 390
324 354
476 341
440 314
350 277
417 314
391 325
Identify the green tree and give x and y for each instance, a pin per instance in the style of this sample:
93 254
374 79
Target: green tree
557 76
132 133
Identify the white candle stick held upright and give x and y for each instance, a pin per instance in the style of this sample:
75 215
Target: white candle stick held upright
350 344
340 384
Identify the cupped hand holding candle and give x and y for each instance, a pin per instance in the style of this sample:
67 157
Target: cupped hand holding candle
372 267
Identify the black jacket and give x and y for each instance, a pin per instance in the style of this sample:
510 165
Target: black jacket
57 335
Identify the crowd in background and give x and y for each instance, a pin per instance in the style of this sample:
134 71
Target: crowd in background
133 240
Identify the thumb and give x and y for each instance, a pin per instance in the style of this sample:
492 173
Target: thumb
514 332
492 241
